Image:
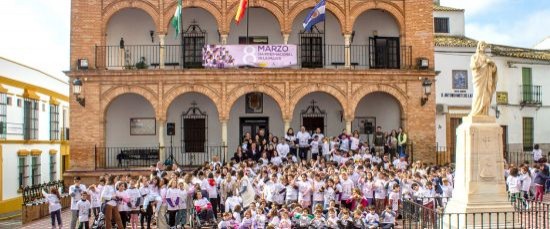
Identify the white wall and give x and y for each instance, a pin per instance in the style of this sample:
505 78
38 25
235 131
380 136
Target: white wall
181 104
374 20
456 21
384 107
271 110
117 121
10 174
325 102
133 25
509 80
262 23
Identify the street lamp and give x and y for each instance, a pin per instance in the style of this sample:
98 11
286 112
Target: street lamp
77 90
427 86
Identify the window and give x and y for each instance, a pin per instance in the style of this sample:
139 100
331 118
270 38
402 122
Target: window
53 170
194 39
3 115
9 101
19 102
528 134
527 84
23 173
441 24
54 122
30 120
35 167
384 52
311 48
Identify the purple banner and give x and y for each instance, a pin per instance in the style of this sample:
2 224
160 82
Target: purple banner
262 56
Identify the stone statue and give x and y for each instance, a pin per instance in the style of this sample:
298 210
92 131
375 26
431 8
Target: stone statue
485 80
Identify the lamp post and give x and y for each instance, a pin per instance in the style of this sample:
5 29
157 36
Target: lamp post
77 90
427 86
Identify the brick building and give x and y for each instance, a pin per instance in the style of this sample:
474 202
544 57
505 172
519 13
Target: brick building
366 68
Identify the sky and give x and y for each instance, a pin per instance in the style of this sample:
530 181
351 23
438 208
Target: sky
37 32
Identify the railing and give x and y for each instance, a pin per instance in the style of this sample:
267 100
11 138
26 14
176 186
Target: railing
530 95
525 214
125 157
327 56
183 155
33 194
445 155
519 157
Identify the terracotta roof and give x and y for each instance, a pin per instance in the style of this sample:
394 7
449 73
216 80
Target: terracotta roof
454 41
446 8
499 50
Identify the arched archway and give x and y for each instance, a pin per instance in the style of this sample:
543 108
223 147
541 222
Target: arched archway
241 91
301 92
318 109
275 10
171 95
204 6
205 16
299 8
388 7
252 109
130 121
133 22
110 95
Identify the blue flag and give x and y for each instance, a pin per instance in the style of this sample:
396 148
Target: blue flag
316 15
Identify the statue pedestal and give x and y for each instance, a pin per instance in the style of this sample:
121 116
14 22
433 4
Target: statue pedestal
479 185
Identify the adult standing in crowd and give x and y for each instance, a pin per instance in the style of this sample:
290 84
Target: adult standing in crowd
401 142
379 140
303 142
75 192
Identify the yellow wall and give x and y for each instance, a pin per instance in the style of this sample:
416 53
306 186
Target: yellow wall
11 205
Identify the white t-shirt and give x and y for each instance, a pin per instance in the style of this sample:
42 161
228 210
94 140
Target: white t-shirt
537 154
74 192
347 188
283 149
394 196
303 138
326 149
514 184
83 208
53 201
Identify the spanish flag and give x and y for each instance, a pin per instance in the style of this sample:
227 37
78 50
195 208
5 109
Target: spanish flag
240 11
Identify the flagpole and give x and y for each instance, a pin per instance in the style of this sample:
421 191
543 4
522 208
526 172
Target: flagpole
181 35
247 21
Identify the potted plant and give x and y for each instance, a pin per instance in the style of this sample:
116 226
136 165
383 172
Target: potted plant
142 63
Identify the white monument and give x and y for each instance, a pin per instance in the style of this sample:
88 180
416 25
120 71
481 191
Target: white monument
479 178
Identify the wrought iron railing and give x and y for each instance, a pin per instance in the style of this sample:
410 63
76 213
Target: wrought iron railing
33 194
125 157
182 155
445 155
323 56
530 95
525 214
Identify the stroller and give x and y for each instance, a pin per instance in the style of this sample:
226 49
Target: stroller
99 222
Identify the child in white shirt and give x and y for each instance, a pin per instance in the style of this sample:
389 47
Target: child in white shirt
371 219
83 211
388 218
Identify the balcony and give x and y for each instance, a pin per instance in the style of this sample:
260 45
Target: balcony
530 96
308 56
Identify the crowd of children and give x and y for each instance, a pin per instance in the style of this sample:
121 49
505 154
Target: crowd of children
275 186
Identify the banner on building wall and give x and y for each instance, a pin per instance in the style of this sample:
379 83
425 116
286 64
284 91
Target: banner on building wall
261 56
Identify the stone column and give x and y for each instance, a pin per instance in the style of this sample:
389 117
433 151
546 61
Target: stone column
285 38
348 126
347 50
287 125
161 54
161 123
224 136
223 38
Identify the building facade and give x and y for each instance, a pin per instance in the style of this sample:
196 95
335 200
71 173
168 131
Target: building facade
141 76
34 128
520 102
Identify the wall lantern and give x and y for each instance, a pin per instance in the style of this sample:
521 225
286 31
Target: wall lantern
152 33
82 64
427 86
423 63
77 90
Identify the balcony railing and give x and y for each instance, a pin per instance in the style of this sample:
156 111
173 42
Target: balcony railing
136 157
530 95
326 56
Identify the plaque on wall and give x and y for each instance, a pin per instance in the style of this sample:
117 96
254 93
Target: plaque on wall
502 97
460 79
143 126
254 103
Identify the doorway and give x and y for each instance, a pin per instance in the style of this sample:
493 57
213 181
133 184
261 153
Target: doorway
252 125
312 123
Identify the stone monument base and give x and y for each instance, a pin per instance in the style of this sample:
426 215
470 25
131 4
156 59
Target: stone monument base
479 178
